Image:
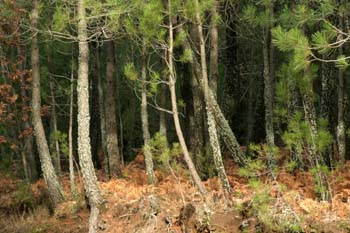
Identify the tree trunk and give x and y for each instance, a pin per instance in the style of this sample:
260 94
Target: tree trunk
28 140
70 132
316 158
95 112
54 125
268 90
172 89
144 119
162 114
84 150
214 49
50 176
341 95
110 114
101 101
213 137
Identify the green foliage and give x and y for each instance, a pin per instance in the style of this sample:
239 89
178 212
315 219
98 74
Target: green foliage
322 39
130 71
166 158
61 19
24 197
342 62
254 168
151 20
317 172
186 56
294 41
61 137
298 135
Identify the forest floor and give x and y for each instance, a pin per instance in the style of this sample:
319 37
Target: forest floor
285 204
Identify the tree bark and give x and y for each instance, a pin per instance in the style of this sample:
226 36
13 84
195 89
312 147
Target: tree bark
70 133
54 125
28 140
175 112
268 90
110 104
162 114
101 101
213 137
341 98
50 176
316 158
84 150
214 49
145 126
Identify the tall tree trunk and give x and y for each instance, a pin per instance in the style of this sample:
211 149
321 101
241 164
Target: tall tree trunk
214 49
213 137
341 95
70 132
268 90
316 158
28 140
95 112
84 150
110 104
101 101
50 176
144 119
172 89
54 125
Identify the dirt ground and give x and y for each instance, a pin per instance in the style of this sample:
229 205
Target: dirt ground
175 205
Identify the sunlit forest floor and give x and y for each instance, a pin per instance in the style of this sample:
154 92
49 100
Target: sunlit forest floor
285 204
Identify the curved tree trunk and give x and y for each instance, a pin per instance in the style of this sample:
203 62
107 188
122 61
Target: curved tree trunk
84 148
172 89
145 128
50 176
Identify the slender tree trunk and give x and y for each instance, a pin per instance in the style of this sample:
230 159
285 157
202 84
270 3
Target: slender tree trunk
101 99
214 49
28 140
162 114
341 95
172 89
84 150
198 117
268 91
341 124
50 176
144 120
214 140
110 114
120 117
316 158
54 125
95 113
70 132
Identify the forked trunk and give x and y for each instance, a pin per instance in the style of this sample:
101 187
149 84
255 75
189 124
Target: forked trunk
172 89
213 137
